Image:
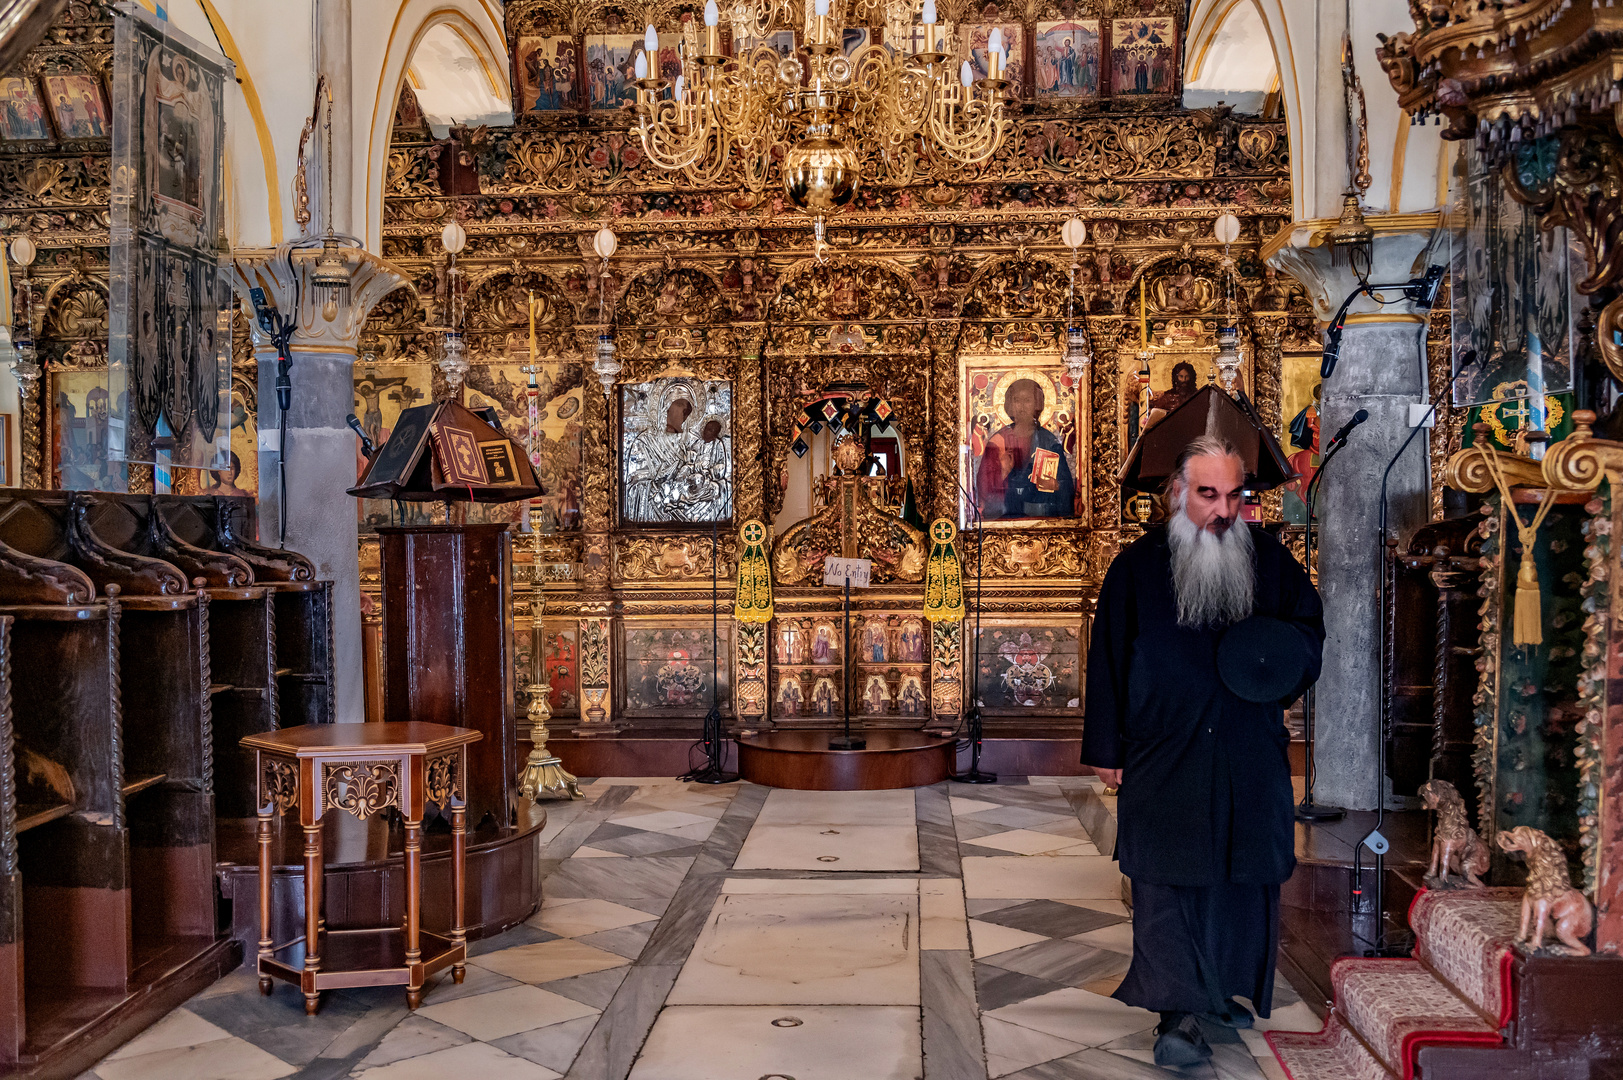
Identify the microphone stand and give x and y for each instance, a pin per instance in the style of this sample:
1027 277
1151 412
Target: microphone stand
976 731
714 739
845 741
1308 810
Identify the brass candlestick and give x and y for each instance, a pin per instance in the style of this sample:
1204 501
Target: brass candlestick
544 775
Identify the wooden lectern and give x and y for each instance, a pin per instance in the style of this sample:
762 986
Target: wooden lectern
447 651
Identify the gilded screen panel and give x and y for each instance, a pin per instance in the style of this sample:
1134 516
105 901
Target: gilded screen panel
667 670
1022 441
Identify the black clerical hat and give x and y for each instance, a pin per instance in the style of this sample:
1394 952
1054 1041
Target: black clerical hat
1263 659
1209 412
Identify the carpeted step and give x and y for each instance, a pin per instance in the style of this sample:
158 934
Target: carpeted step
1398 1006
1464 935
1332 1054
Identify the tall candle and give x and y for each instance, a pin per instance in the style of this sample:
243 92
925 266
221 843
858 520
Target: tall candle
1143 319
532 328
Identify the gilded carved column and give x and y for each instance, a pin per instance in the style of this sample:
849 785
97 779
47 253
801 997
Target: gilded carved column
1104 331
599 483
599 456
943 420
1445 436
1267 369
749 425
28 391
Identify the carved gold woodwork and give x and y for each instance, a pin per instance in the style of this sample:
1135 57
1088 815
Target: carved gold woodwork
672 559
445 780
281 784
851 526
1027 553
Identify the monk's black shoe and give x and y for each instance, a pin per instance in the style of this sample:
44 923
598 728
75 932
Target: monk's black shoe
1234 1015
1179 1042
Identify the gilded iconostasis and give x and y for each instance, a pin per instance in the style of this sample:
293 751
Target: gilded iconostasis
928 327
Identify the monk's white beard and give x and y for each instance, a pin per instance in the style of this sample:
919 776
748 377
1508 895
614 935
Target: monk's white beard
1212 576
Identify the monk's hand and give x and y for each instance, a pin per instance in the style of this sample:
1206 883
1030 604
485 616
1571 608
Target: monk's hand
1111 777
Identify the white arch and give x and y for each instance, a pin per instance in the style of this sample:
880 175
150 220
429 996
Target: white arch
1208 20
461 35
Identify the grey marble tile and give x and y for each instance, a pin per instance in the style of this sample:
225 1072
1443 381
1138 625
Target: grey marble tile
996 987
518 935
1095 818
278 1025
596 989
590 820
981 905
1103 1065
478 980
366 1032
616 879
672 940
554 1046
613 1044
627 941
933 804
1051 918
938 849
654 905
727 838
639 842
610 831
952 1032
1020 817
970 829
1066 962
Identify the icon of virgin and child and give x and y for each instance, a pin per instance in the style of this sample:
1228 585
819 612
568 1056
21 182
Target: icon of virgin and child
1023 471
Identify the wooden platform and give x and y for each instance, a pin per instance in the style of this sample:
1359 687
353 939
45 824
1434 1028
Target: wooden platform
802 759
365 879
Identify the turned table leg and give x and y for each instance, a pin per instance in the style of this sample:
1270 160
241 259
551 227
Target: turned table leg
414 894
459 884
312 915
266 820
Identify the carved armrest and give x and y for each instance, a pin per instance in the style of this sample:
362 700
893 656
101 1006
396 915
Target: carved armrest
28 579
218 569
136 575
269 564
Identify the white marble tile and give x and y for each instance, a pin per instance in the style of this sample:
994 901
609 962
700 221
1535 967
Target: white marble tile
742 1043
217 1059
548 960
1294 1017
791 949
468 1060
1083 848
179 1029
820 886
991 939
587 917
1079 1016
1026 842
1010 1048
697 832
1117 938
659 821
413 1037
942 922
587 852
970 806
1052 878
830 847
788 807
501 1013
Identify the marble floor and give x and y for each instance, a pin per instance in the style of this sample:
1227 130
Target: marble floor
744 933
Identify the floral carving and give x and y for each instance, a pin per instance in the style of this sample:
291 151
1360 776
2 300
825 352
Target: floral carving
281 784
362 788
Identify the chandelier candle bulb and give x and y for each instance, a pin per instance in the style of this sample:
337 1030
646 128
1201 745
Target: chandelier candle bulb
994 56
712 29
929 17
967 75
642 65
650 41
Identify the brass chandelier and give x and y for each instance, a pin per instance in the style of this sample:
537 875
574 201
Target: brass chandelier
813 108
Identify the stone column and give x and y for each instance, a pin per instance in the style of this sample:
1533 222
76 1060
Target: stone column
320 518
334 60
1381 369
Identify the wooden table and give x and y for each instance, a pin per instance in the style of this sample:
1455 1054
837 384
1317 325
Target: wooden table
363 769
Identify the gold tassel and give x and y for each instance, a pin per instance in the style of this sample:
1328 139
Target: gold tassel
1529 623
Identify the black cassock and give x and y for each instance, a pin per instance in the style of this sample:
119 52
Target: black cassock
1206 813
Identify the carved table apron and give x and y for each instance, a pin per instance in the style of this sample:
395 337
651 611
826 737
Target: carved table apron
364 769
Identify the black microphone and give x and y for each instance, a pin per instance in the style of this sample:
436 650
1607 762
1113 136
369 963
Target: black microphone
1346 429
366 444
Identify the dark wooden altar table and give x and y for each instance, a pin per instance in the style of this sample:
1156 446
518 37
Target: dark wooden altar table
362 769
